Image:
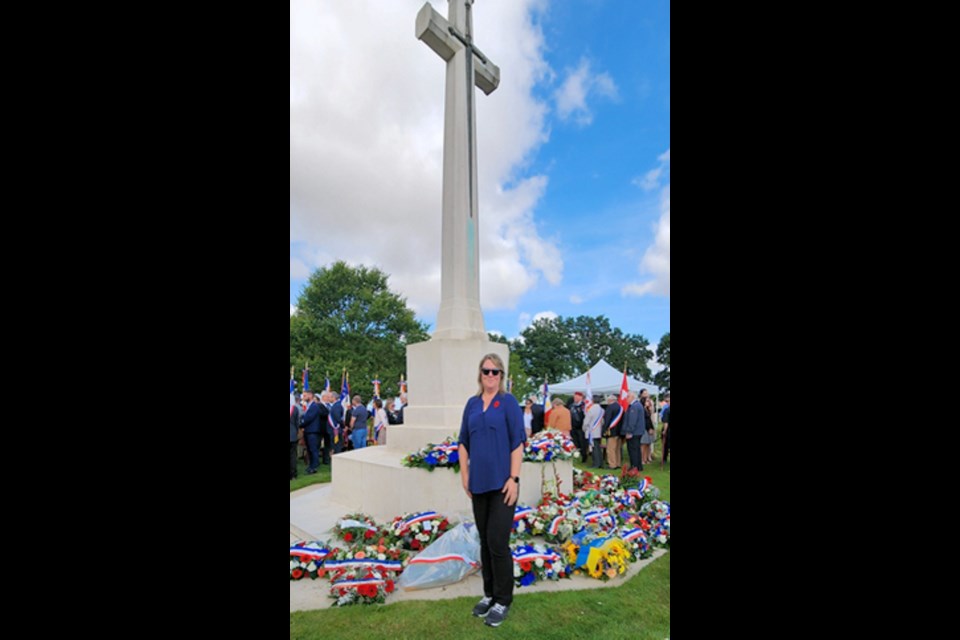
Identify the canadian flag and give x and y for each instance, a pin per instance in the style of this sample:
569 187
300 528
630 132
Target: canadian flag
624 391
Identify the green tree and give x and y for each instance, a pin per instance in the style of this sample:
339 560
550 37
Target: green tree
663 357
562 348
347 318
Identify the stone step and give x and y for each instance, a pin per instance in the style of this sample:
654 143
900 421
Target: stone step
404 439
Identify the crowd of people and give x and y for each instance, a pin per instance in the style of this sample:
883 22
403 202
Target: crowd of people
600 431
320 428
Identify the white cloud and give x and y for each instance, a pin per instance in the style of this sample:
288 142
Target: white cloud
656 259
545 315
293 310
571 96
575 299
651 179
523 321
366 147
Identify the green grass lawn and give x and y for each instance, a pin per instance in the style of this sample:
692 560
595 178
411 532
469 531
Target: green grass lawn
639 609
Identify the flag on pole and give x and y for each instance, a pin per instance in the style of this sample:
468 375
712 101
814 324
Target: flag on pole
403 385
376 387
624 390
588 400
293 388
327 383
510 385
546 396
306 377
345 389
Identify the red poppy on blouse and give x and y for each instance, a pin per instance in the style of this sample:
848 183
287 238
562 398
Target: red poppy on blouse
496 403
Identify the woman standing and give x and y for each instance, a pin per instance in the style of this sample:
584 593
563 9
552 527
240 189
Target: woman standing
646 440
528 417
379 423
491 452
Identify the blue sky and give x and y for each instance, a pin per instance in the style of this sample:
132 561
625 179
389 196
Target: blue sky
573 155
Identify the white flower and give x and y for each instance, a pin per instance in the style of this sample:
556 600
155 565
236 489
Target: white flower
517 571
294 564
538 562
312 566
661 538
423 537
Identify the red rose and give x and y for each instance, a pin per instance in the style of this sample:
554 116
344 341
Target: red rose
297 574
444 524
321 573
389 586
348 536
415 544
525 565
368 534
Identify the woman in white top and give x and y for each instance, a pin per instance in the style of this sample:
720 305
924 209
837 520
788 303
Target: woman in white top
379 422
528 417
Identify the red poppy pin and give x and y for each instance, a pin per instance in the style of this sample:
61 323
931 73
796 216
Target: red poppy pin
496 403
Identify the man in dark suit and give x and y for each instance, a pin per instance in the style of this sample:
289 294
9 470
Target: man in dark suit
314 420
334 439
294 438
536 423
634 426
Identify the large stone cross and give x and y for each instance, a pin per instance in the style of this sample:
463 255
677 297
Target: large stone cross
459 315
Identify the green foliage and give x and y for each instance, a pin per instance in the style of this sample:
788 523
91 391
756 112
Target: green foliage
347 318
663 357
562 348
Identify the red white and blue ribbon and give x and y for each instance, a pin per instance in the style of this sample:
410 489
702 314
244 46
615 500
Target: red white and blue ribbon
356 583
555 525
596 514
382 565
403 525
521 513
631 534
529 553
311 551
444 558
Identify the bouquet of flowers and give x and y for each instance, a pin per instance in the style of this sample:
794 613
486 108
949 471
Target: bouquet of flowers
388 563
307 558
601 518
585 480
548 445
609 484
554 519
523 517
361 586
599 555
445 454
415 531
636 542
355 528
631 478
537 562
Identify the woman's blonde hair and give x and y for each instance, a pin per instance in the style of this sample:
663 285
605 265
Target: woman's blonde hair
499 365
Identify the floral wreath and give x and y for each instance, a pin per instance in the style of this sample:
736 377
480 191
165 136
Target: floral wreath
537 562
361 586
355 528
445 454
417 530
307 558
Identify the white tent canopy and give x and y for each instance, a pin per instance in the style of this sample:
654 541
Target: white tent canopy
604 379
